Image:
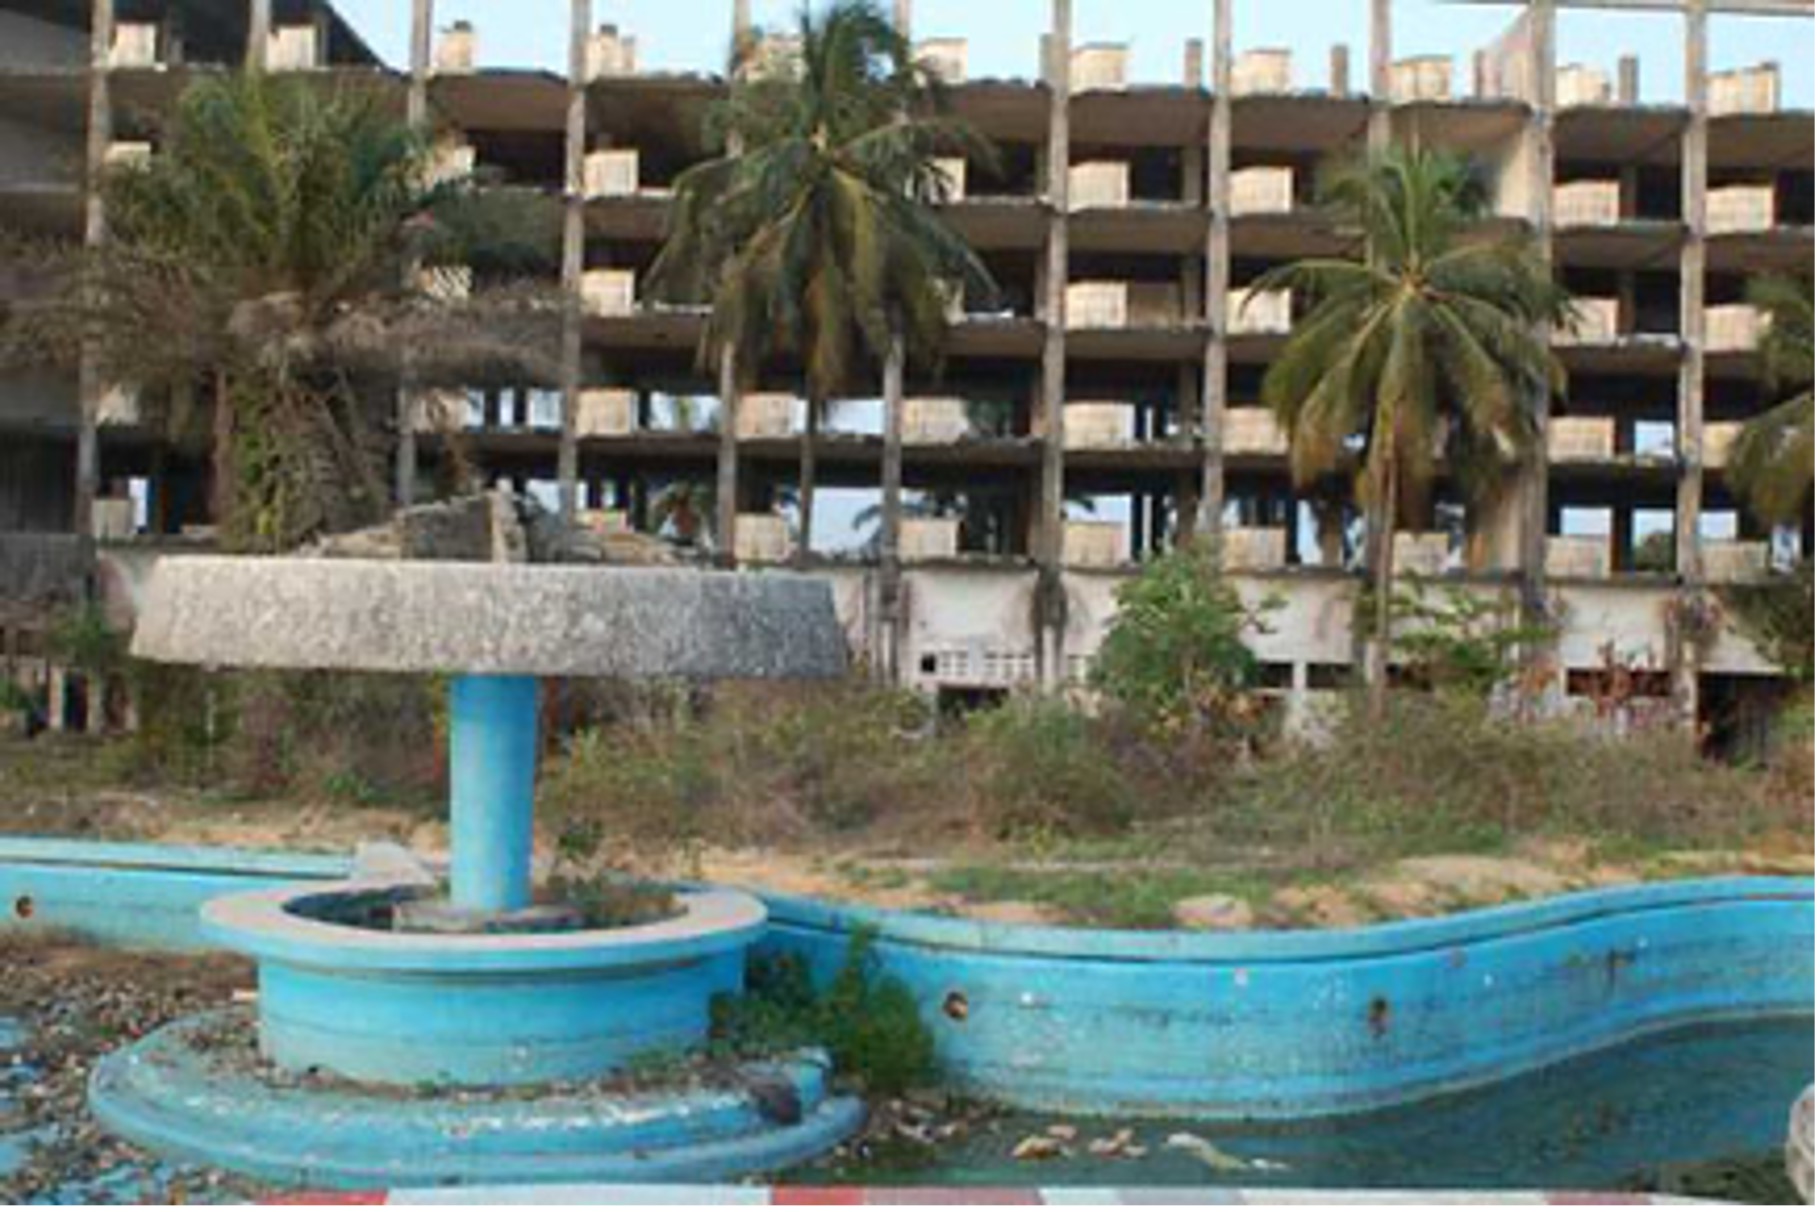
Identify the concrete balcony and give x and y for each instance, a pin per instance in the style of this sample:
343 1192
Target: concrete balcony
1587 204
1098 66
922 539
944 58
457 51
1716 441
1582 439
1098 425
611 54
1092 544
935 420
1734 561
1262 72
766 414
1579 85
1419 553
135 44
1254 548
1595 322
761 538
293 48
1747 90
438 409
127 153
612 173
608 293
1733 328
118 406
1263 191
606 412
1579 557
1254 431
953 172
1263 314
1732 209
1099 304
1421 78
449 162
1099 184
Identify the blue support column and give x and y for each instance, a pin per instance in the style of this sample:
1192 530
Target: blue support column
492 768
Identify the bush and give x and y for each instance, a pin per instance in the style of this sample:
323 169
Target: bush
869 1023
1039 766
1441 772
1176 656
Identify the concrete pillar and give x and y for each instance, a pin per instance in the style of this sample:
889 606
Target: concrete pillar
94 231
1690 413
891 506
258 30
1218 251
1051 607
1193 52
1540 138
1629 80
492 771
574 239
726 462
417 115
901 17
1380 75
1339 70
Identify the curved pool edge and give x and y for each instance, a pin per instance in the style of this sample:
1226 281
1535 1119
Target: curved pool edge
1313 1024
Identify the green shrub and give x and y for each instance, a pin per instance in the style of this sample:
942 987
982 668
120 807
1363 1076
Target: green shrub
1176 655
1037 766
1452 638
869 1023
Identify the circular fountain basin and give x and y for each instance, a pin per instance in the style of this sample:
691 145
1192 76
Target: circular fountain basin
373 1005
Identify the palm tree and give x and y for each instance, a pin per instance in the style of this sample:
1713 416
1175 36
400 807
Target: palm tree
814 234
265 246
1772 464
1432 343
685 508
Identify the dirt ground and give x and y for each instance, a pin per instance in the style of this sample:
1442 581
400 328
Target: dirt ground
61 788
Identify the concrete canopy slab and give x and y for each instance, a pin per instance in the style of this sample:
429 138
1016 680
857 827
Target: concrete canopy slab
407 616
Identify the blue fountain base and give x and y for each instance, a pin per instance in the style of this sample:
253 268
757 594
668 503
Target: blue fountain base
192 1091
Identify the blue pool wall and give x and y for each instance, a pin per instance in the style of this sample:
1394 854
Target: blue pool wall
130 894
1278 1025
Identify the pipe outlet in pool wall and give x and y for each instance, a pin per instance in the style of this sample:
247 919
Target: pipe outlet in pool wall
1310 1023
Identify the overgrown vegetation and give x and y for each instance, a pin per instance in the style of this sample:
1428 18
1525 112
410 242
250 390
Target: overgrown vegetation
867 1021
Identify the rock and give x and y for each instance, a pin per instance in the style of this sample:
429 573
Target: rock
1122 1143
1011 913
1483 878
1205 1151
494 527
1062 1132
1317 905
1038 1148
1213 912
1800 1151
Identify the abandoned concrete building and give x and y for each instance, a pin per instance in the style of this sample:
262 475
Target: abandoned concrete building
1106 405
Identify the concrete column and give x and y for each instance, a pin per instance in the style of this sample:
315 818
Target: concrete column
1339 70
1051 598
258 31
492 771
1193 65
726 462
1690 413
417 115
1629 80
1381 35
94 231
1218 250
891 501
900 17
574 239
1540 137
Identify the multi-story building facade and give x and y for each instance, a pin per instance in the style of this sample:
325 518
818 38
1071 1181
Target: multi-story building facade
1105 405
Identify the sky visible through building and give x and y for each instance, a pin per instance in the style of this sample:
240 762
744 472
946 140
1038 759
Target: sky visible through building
1003 41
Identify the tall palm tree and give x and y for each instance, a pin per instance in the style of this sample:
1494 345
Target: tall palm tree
266 245
1772 465
814 234
1434 340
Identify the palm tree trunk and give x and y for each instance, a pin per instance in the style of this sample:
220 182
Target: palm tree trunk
805 486
221 495
1383 574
